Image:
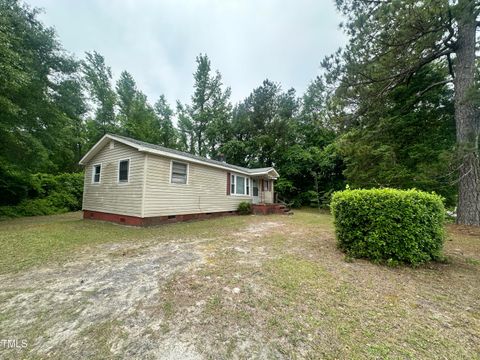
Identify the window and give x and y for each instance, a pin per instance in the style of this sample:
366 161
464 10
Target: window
240 190
179 173
96 173
255 187
239 185
123 168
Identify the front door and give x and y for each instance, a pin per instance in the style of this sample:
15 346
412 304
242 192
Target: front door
255 197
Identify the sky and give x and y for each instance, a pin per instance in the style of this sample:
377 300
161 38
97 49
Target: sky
157 41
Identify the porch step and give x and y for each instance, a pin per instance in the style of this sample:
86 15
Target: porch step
270 209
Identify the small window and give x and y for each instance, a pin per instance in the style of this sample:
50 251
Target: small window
96 173
232 185
123 170
179 173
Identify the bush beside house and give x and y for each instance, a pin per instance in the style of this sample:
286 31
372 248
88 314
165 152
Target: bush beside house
245 208
48 194
389 225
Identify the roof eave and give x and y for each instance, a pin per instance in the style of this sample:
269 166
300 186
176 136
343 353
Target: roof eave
91 153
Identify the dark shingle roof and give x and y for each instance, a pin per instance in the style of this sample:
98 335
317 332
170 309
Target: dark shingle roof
194 157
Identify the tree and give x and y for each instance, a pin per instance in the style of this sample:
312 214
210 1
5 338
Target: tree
185 129
390 42
98 82
408 142
34 116
210 108
69 98
136 116
126 93
167 132
316 126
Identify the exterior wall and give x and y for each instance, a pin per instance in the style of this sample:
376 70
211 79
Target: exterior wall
205 191
109 196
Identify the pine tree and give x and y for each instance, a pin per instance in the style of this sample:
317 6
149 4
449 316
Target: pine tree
167 132
98 82
390 42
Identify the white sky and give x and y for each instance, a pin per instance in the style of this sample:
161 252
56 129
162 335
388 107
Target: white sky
157 40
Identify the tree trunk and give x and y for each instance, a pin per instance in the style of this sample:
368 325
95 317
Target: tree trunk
467 129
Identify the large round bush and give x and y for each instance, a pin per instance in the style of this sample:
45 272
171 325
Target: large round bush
388 224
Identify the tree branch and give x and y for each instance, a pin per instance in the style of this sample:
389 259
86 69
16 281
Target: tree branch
431 86
450 66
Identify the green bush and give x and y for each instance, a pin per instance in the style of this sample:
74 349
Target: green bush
389 225
244 208
48 194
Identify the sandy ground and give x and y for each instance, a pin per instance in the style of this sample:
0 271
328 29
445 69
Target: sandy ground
107 288
273 287
104 285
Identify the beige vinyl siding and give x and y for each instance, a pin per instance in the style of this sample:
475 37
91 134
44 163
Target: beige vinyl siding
109 195
204 192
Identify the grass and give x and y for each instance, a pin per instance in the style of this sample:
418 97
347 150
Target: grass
268 287
32 241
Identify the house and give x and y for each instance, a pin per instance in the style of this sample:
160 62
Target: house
137 183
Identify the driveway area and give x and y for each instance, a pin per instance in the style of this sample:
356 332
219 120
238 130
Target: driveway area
238 287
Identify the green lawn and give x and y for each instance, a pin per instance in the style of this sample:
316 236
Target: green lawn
244 287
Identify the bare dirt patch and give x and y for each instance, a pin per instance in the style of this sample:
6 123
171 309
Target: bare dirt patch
246 287
55 308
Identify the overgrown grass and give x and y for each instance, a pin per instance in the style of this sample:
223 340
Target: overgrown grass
269 287
31 241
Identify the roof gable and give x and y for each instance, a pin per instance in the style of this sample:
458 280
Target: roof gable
171 153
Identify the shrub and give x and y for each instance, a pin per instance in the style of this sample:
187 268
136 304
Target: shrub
389 225
49 194
244 208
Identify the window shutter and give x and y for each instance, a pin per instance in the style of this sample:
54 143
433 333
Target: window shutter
228 183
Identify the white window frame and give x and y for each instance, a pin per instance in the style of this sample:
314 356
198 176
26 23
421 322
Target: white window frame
234 182
171 172
93 174
118 171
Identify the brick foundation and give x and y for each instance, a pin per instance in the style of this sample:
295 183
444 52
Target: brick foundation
149 221
265 209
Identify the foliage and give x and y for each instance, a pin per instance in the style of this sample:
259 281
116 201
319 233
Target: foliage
352 122
203 123
389 224
98 82
38 110
406 142
168 134
48 194
245 208
391 43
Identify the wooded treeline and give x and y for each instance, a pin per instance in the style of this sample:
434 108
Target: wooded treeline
352 125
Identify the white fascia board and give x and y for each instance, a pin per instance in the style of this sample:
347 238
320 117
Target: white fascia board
93 150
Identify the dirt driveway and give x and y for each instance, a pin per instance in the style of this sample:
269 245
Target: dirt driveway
243 287
60 306
98 305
